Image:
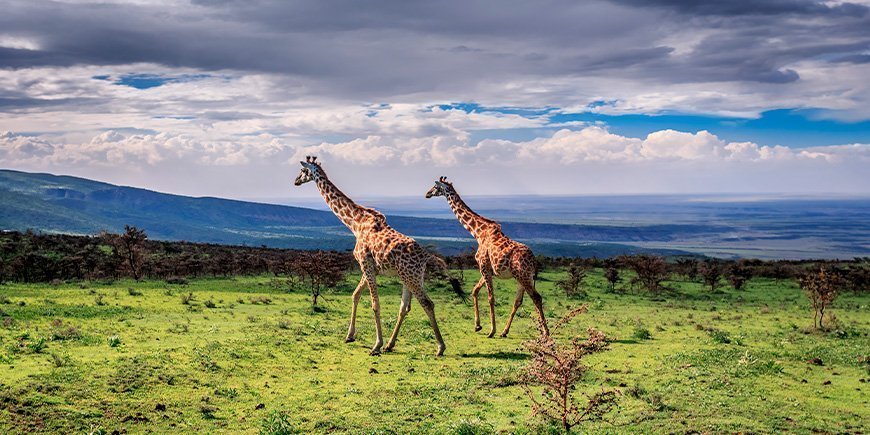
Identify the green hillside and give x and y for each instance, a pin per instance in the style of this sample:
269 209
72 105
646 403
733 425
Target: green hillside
64 204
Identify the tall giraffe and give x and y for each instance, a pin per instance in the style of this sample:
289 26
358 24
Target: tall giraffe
497 255
378 246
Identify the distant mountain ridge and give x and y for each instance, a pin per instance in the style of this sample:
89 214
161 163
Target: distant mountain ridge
66 204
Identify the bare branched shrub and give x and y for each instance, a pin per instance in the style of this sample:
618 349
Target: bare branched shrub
557 368
821 288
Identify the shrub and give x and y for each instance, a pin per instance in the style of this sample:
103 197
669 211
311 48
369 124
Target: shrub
58 361
114 341
176 280
738 274
133 292
210 304
651 271
278 423
711 273
821 288
571 285
557 368
719 336
60 331
187 299
265 300
471 427
98 299
36 346
611 274
641 333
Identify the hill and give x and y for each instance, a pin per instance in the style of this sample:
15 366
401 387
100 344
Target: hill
64 204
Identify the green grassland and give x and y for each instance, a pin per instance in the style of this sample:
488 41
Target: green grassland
244 353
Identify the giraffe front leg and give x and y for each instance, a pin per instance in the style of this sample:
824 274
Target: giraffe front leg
369 275
351 330
474 292
490 293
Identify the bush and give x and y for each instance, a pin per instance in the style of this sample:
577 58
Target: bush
133 292
187 299
641 333
176 280
719 336
651 271
59 331
278 423
821 288
571 285
558 368
114 341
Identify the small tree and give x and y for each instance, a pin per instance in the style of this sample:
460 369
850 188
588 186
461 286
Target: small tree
131 246
320 269
651 271
711 273
571 285
821 288
611 274
738 274
688 267
557 368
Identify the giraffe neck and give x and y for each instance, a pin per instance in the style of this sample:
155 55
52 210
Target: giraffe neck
343 207
473 222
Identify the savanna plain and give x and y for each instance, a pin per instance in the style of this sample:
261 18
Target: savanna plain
247 355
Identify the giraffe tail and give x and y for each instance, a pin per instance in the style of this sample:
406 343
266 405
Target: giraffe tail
440 266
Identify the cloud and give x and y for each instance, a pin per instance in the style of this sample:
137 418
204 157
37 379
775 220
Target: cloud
559 53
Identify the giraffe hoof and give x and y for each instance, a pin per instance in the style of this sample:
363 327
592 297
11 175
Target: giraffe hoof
478 328
440 351
490 335
349 340
375 352
388 349
503 335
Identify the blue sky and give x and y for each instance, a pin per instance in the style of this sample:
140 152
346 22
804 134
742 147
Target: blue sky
222 98
796 128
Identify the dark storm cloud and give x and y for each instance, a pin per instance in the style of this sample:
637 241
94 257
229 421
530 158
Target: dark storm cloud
379 49
751 7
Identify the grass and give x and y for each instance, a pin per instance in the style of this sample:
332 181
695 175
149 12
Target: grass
239 356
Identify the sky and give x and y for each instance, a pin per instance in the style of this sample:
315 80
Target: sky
224 97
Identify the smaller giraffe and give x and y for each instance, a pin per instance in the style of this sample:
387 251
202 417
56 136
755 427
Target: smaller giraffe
378 246
497 255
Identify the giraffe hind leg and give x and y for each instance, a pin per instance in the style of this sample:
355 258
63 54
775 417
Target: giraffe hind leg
403 312
474 293
517 302
429 308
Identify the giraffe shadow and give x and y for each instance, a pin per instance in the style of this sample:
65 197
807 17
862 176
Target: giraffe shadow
515 356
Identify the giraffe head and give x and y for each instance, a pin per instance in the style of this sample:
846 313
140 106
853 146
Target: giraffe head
441 188
311 170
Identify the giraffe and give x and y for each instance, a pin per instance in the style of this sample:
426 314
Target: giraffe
497 255
378 246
